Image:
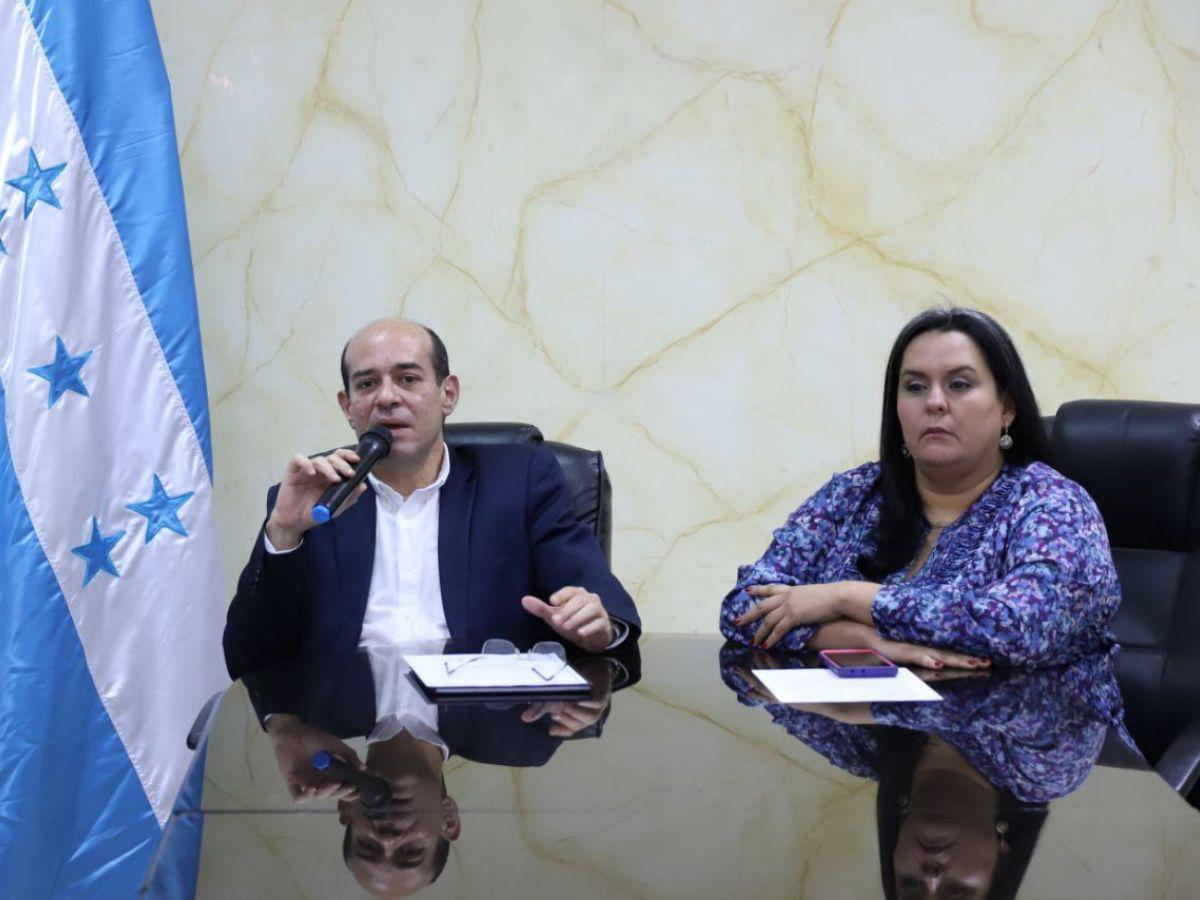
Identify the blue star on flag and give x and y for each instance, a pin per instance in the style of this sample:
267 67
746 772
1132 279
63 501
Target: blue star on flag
63 373
96 552
2 247
161 510
36 183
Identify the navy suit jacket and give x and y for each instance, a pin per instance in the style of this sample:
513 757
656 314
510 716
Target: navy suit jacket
505 529
337 695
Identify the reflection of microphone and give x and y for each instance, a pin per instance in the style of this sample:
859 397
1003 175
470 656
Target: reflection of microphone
373 791
373 446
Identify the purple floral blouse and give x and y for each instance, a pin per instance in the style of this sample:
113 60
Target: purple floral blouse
1024 577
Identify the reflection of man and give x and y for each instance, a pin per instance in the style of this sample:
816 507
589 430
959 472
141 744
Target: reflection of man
440 542
405 848
310 704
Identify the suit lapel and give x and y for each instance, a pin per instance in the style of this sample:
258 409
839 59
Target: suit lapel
455 505
354 560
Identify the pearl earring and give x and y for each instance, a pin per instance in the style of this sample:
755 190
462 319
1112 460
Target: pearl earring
1006 440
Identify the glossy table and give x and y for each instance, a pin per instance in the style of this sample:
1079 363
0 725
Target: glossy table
692 789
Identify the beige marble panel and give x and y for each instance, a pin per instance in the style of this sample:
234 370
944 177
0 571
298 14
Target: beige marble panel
681 232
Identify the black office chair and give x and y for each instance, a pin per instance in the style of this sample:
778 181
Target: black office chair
1140 461
587 480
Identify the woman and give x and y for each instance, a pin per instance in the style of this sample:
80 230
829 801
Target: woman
961 546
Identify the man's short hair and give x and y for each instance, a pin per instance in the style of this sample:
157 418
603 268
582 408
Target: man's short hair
441 359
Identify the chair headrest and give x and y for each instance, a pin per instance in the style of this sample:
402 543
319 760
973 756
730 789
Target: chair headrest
492 433
1140 461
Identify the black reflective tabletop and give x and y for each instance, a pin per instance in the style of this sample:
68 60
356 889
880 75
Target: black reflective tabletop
679 776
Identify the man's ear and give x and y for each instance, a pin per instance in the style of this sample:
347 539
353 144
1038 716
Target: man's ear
449 395
451 824
344 403
343 812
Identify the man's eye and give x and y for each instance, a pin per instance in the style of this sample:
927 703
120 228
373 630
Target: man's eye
366 385
368 849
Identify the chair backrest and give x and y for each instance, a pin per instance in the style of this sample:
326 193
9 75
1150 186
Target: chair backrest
1140 461
587 479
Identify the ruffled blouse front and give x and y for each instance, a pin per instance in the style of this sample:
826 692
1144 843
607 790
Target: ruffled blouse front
1024 577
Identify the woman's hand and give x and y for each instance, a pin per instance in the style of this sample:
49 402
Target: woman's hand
782 607
925 657
844 634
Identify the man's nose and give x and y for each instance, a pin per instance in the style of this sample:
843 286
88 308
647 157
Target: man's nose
388 394
387 830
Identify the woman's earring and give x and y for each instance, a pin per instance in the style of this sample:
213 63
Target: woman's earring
904 451
1001 831
1006 440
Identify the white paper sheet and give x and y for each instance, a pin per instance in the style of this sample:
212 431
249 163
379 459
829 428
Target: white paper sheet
822 686
491 672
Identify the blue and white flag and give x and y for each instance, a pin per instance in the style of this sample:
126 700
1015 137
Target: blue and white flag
110 587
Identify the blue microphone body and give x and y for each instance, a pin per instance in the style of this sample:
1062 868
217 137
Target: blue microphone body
373 445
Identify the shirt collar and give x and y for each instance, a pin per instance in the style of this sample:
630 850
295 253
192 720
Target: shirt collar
386 492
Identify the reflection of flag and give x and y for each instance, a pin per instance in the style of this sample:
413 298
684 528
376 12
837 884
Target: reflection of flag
110 596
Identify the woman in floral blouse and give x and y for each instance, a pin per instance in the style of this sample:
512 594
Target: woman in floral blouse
961 546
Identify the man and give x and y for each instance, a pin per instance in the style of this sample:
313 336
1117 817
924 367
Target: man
317 703
435 543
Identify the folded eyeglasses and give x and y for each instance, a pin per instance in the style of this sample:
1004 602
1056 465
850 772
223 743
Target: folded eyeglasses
546 658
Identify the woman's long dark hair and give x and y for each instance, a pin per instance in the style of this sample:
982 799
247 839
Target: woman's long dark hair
901 520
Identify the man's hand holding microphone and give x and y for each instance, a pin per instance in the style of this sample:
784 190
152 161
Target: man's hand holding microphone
315 489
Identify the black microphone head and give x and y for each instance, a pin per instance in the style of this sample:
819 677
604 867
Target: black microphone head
377 435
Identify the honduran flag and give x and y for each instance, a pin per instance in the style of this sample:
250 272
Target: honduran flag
110 587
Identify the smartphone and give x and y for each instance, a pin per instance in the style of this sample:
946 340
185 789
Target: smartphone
858 664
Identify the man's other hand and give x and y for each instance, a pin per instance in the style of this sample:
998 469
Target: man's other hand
568 719
303 483
576 615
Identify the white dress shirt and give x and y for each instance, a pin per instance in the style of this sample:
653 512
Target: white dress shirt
399 706
405 601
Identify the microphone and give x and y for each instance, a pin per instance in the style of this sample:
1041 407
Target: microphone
373 792
373 445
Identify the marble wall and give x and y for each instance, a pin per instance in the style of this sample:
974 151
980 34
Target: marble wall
681 232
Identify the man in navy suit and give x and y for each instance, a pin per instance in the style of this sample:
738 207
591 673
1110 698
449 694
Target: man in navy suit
435 543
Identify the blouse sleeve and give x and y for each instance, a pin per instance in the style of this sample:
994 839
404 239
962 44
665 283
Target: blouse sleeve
1056 596
796 556
852 748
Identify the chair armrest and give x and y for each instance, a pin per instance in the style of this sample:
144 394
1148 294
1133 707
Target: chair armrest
199 728
1180 764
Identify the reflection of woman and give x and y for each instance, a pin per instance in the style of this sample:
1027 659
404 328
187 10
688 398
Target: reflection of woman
960 546
964 783
944 831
